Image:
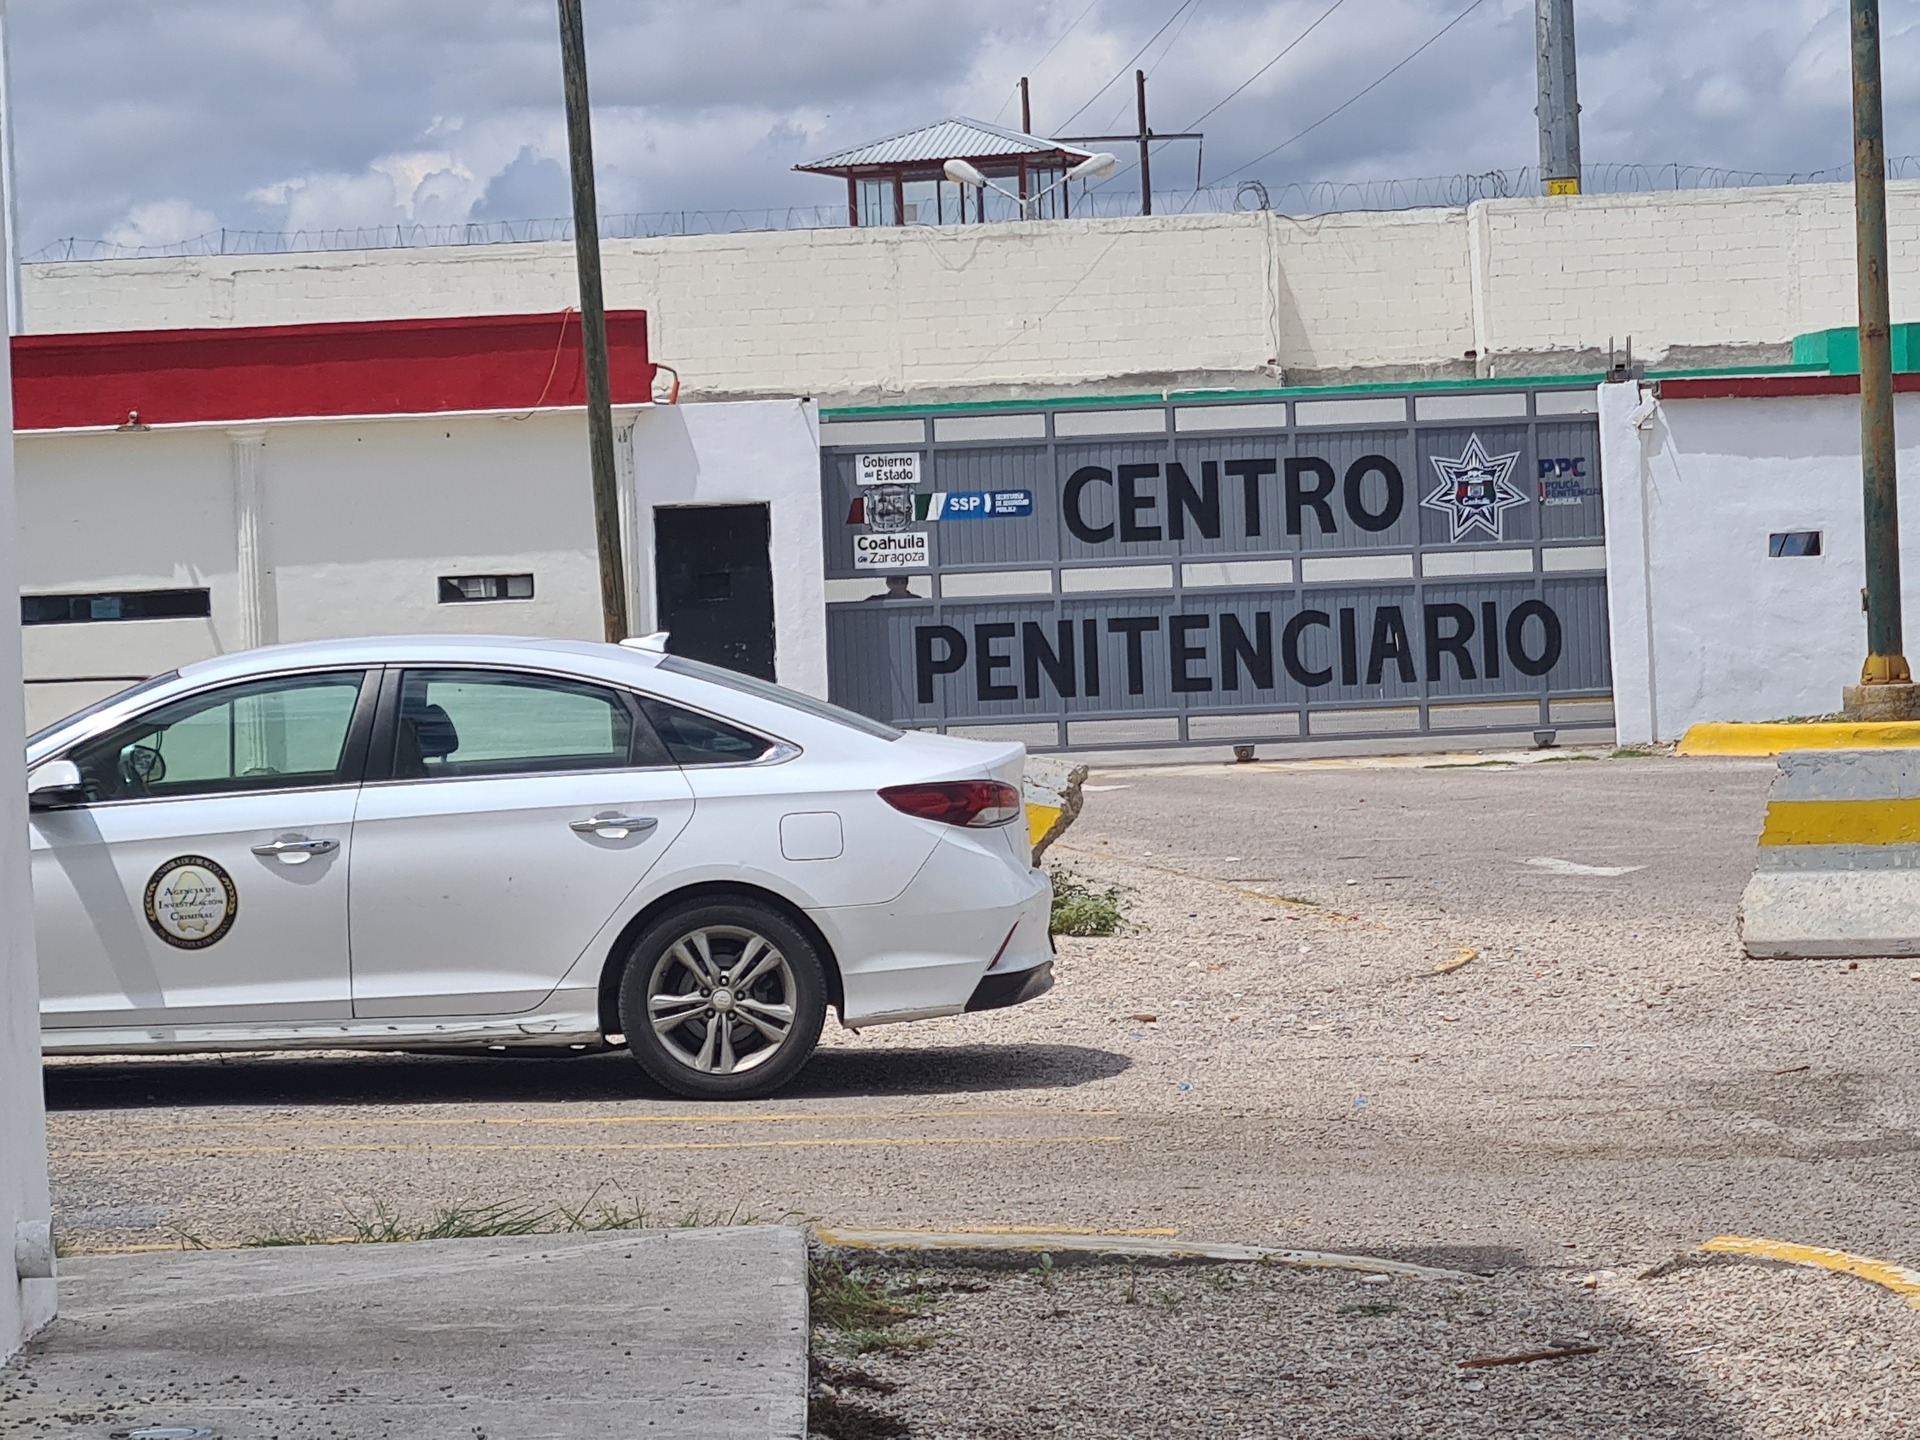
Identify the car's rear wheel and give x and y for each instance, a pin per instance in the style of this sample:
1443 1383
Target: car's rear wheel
723 1000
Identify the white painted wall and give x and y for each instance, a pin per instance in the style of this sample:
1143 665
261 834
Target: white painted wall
1692 494
25 1305
356 520
887 312
765 451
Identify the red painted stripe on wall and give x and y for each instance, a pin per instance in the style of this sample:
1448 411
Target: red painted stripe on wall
370 367
1770 387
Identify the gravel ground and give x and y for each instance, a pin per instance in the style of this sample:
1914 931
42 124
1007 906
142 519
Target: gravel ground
1707 1352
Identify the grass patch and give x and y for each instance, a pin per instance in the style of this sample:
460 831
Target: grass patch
845 1301
1472 765
861 1315
1082 910
1633 752
1564 759
383 1226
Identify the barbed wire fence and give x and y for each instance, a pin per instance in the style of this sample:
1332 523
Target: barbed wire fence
1294 198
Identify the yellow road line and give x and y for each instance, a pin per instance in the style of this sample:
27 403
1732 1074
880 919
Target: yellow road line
1884 1273
835 1143
1842 822
825 1117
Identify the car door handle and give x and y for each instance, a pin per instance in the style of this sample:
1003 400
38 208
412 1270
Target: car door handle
295 849
615 827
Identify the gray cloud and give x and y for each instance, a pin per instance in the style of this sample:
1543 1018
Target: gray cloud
141 120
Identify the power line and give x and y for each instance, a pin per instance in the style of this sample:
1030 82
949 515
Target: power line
1428 42
1273 62
1167 50
1067 124
1034 68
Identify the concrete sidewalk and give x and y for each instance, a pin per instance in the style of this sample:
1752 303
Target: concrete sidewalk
682 1333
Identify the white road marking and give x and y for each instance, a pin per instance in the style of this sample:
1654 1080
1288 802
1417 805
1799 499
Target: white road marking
1574 867
1106 787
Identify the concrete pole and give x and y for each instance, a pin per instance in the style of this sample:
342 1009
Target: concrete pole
1885 691
1558 109
593 324
26 1241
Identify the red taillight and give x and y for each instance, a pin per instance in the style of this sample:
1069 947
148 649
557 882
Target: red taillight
975 803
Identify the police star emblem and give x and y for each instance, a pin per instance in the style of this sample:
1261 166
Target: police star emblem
1475 489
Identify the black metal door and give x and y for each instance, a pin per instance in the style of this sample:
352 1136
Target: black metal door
714 584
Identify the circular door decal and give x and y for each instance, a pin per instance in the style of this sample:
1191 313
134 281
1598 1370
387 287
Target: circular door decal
191 902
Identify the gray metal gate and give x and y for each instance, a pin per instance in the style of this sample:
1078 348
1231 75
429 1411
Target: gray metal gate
1262 569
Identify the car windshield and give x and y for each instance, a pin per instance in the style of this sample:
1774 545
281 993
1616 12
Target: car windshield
94 709
778 694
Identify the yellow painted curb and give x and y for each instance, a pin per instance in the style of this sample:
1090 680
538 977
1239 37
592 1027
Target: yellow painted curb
1842 822
1739 738
1884 1273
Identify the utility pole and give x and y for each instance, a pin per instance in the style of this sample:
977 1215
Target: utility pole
1026 108
1146 161
593 322
1558 109
1886 690
1143 137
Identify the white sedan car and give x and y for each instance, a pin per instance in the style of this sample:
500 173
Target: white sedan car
436 843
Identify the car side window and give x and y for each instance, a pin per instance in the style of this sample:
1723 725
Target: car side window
473 723
273 734
694 739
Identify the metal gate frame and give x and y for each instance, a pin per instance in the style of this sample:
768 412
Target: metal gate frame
1453 407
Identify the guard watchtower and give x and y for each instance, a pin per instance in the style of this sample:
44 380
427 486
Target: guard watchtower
904 180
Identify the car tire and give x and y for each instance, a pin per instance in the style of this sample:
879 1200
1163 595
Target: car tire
690 1027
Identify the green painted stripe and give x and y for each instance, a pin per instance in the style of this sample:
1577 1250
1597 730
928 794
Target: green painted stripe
1292 392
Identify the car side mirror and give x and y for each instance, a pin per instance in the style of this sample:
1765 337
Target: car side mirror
55 786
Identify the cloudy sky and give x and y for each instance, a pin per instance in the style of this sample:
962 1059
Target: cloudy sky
146 123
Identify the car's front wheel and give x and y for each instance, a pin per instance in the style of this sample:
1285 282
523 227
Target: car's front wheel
723 1000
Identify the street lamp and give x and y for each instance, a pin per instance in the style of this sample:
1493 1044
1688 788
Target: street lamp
962 173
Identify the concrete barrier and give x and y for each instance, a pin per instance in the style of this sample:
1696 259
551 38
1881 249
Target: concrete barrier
1052 798
1838 870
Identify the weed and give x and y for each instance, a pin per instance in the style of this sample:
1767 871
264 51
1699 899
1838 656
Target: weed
1081 910
845 1301
1043 1272
1564 759
887 1341
1633 752
1131 1295
1221 1278
1470 764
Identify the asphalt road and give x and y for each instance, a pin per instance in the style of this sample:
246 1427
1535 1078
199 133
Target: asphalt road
1605 1082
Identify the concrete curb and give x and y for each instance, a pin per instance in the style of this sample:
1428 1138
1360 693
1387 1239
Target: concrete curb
1742 738
1896 1279
1000 1250
1837 871
1051 790
1888 1276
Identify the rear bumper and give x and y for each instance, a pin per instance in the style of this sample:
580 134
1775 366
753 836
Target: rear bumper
970 911
998 990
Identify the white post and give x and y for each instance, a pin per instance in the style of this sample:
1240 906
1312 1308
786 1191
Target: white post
26 1246
252 574
16 324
